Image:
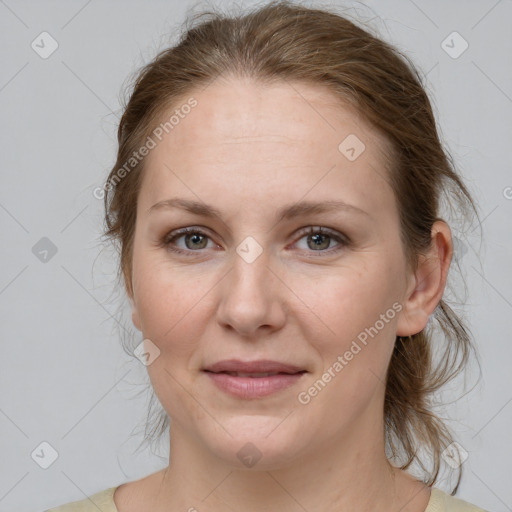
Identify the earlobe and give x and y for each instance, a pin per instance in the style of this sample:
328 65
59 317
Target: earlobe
136 321
429 282
135 314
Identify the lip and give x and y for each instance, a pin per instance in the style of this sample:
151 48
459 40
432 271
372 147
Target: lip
260 366
253 387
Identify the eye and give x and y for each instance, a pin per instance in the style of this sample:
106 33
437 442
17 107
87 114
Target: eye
319 239
194 240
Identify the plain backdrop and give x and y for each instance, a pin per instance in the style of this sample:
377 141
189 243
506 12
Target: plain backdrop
64 378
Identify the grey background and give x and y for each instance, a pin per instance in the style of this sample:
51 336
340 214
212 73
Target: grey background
64 378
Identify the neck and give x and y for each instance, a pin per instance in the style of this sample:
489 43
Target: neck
350 472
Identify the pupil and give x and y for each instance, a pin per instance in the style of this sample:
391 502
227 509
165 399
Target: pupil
195 237
318 239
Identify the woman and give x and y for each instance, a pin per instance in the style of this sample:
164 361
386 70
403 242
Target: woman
276 200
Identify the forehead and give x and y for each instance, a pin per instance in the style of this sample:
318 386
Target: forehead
233 109
248 139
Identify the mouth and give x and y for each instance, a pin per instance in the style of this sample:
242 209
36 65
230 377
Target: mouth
256 375
256 379
262 367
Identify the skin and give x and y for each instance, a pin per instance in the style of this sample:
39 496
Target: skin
249 149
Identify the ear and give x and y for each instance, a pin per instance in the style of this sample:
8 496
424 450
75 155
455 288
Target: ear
135 313
128 287
428 282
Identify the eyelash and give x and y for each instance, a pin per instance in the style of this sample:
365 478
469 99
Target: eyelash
171 237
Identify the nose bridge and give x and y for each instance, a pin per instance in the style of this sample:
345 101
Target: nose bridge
250 277
249 295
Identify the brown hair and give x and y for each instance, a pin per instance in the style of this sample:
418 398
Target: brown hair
284 41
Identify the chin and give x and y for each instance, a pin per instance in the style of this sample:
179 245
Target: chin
258 442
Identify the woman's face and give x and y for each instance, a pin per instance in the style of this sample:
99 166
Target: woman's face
253 284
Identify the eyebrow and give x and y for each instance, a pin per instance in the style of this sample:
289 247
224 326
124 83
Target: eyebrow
286 213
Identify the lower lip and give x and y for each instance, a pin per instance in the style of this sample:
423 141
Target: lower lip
253 387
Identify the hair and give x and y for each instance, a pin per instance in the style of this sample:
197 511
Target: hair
281 41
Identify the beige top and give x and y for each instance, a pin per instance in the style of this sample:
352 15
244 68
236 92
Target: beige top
104 501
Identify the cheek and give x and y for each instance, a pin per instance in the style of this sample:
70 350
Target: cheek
353 341
344 302
170 304
352 331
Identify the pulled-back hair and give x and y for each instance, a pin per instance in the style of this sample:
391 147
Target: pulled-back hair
284 41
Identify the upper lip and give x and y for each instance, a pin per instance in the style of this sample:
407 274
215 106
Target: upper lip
261 366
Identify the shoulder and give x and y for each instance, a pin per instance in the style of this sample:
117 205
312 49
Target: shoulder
103 500
441 501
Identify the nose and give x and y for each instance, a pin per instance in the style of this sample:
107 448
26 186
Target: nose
252 297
